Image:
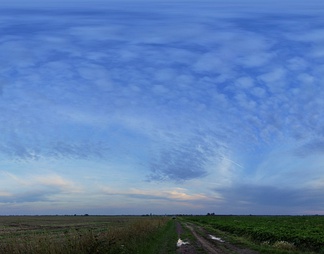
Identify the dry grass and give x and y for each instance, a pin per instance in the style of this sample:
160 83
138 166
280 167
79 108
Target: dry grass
79 235
284 245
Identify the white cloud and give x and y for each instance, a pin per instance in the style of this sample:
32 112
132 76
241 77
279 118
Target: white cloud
34 188
160 89
5 194
244 82
259 92
245 102
317 52
223 172
273 78
97 31
252 59
305 78
171 194
297 64
314 36
210 62
16 53
57 181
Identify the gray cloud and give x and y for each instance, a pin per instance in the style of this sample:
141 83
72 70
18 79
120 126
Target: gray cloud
314 147
34 196
183 161
80 150
274 198
58 150
178 165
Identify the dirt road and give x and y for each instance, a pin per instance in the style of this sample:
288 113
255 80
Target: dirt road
207 243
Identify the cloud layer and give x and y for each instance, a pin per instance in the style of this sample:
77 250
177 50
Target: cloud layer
167 94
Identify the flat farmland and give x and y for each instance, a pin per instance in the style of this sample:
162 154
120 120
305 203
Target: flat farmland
86 234
160 234
269 234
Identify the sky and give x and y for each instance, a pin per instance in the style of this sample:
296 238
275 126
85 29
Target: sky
139 107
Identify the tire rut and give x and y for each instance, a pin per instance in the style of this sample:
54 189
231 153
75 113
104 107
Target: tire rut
209 246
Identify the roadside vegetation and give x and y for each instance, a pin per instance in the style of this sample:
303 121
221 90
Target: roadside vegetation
90 234
268 234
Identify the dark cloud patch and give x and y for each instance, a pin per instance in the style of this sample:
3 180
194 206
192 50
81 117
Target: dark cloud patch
147 197
178 165
142 196
37 195
32 151
181 162
273 196
314 147
2 86
78 150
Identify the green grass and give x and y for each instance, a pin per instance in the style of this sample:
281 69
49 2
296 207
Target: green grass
269 234
162 242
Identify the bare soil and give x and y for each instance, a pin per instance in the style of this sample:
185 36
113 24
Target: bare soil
187 248
204 244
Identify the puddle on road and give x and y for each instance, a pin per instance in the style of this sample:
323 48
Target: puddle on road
216 238
180 243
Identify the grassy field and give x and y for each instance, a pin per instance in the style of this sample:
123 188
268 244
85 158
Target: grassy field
283 234
155 234
87 234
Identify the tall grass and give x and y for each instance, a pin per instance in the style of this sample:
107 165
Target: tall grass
134 236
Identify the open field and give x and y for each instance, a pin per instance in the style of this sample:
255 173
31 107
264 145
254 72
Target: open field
159 234
86 234
268 234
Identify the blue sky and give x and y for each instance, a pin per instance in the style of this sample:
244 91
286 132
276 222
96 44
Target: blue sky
137 107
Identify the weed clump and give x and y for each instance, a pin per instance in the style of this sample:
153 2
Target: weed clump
284 245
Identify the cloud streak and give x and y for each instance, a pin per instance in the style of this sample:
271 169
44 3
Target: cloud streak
34 188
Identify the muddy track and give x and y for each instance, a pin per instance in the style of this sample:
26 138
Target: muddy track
209 246
187 248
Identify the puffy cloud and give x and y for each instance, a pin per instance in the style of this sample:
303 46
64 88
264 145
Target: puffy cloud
297 64
273 78
244 82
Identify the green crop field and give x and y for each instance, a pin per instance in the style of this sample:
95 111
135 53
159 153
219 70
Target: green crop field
295 233
86 234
